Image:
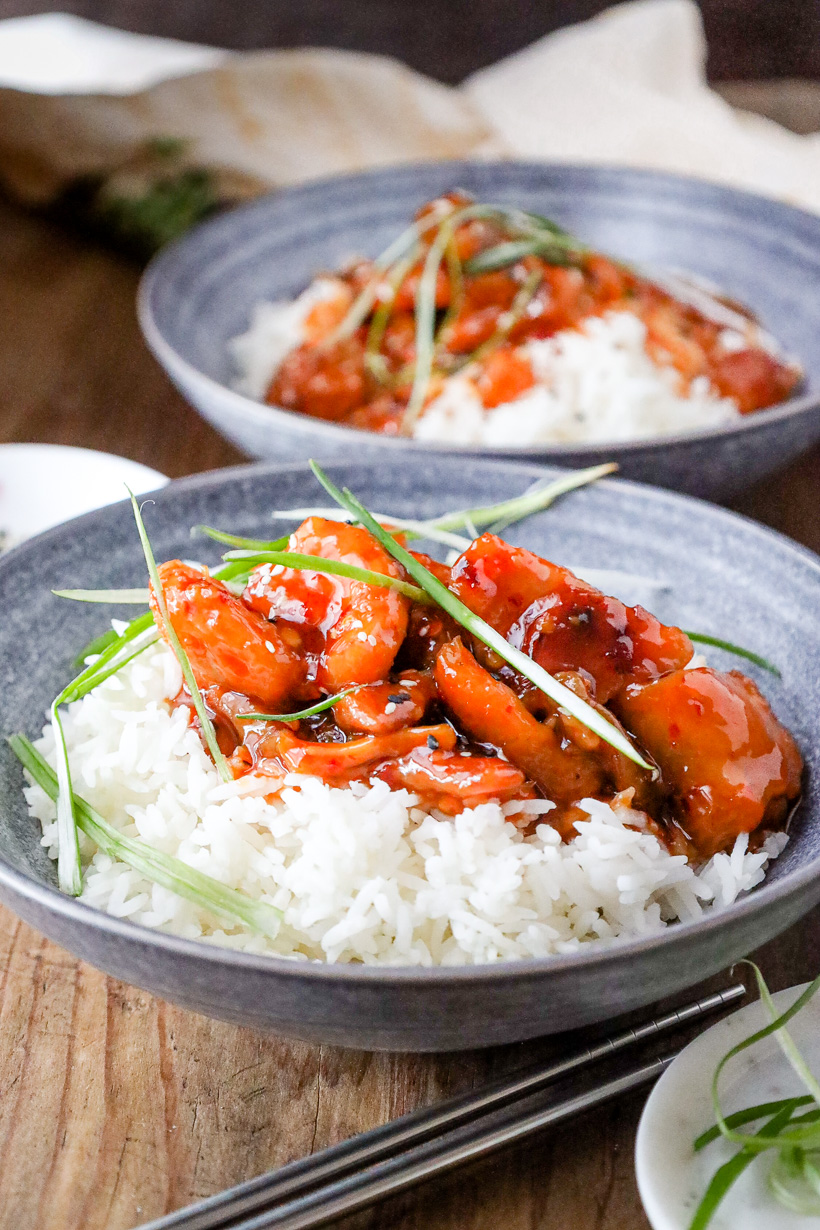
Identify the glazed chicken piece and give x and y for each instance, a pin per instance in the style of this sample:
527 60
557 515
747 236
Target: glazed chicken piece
227 644
563 623
351 631
565 759
732 767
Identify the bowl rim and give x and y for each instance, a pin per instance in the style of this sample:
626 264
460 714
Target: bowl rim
80 913
261 413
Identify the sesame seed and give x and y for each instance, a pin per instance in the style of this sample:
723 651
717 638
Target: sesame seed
270 647
390 707
362 636
432 743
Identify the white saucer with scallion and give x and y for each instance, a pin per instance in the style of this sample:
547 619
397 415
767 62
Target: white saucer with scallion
703 1188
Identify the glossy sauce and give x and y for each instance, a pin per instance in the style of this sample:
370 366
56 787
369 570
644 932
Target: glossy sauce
429 709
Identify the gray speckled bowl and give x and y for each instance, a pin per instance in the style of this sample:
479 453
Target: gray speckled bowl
199 292
726 576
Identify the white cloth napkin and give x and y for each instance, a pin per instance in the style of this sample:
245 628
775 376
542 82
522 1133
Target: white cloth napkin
627 87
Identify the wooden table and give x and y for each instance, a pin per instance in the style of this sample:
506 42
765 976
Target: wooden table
114 1106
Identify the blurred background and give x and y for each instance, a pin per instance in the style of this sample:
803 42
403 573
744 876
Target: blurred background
447 39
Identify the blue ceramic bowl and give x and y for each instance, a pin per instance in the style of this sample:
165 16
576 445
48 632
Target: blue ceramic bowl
725 576
198 293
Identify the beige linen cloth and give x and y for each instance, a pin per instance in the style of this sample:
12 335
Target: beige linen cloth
627 87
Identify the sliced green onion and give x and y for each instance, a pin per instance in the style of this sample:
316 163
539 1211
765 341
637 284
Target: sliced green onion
69 868
426 307
556 691
96 646
134 597
320 707
511 252
235 540
410 528
163 869
729 1172
508 320
701 638
795 1175
786 1042
361 307
374 360
107 653
336 567
455 277
181 656
760 1143
752 1113
115 653
494 516
499 516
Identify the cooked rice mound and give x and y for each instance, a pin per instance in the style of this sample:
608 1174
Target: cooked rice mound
361 874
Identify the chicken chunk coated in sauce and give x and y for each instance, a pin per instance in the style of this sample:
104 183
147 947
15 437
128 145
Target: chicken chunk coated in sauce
426 707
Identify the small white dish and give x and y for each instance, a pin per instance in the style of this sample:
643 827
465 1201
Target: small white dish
42 485
672 1178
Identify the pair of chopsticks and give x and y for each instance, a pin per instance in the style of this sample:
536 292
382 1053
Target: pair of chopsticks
366 1168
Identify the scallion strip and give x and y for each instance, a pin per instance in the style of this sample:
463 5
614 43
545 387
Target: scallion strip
751 1113
549 247
107 648
499 516
69 867
374 360
320 707
701 638
163 869
410 528
181 656
132 597
335 567
235 540
362 305
794 1177
426 307
556 691
96 646
761 1142
727 1174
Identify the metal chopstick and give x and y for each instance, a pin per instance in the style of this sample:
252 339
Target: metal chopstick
298 1178
458 1145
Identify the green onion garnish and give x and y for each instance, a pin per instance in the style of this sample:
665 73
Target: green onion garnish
426 306
373 358
163 869
181 656
794 1178
96 646
107 649
556 691
235 540
319 707
133 597
494 516
702 639
552 248
116 651
69 867
336 567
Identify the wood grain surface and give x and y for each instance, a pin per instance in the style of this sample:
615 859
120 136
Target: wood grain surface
115 1107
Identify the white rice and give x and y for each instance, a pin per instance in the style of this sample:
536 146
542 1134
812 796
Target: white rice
596 383
361 874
